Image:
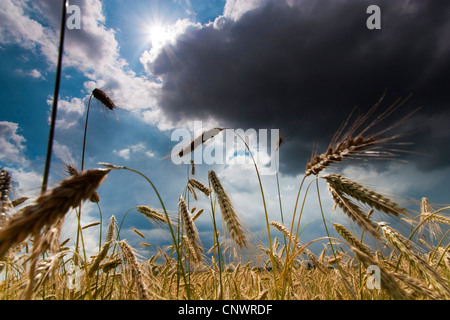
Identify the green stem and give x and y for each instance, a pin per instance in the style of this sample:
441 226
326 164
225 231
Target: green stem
293 216
85 132
279 200
82 163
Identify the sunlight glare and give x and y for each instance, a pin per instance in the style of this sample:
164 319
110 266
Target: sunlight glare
159 35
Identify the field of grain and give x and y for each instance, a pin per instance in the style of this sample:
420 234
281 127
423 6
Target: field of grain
36 264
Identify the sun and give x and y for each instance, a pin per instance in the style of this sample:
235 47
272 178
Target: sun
159 35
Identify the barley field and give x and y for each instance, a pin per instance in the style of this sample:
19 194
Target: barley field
372 261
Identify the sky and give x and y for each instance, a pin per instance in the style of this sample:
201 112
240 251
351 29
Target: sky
297 66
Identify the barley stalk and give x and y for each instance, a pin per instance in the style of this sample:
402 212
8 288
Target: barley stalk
417 286
151 214
354 144
193 167
5 184
280 227
436 217
229 216
201 139
17 202
101 96
197 214
95 198
192 191
138 233
357 191
111 229
190 229
416 261
199 186
138 276
353 211
387 278
99 258
346 235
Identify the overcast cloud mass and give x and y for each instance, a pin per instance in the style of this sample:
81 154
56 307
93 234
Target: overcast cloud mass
302 66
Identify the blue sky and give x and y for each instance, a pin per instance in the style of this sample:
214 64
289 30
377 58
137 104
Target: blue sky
240 64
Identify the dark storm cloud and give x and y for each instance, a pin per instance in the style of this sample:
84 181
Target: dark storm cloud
303 68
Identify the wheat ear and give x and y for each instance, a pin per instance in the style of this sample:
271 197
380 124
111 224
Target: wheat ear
229 216
50 206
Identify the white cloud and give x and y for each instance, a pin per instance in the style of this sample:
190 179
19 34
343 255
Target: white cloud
35 74
69 112
235 9
26 183
18 28
124 153
11 144
134 150
93 50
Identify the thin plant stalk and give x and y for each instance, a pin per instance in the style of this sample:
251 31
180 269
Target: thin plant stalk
279 200
101 227
82 162
85 132
55 98
295 212
331 243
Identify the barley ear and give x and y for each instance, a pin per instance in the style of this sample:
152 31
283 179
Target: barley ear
101 96
137 273
5 185
229 216
190 230
50 207
347 236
